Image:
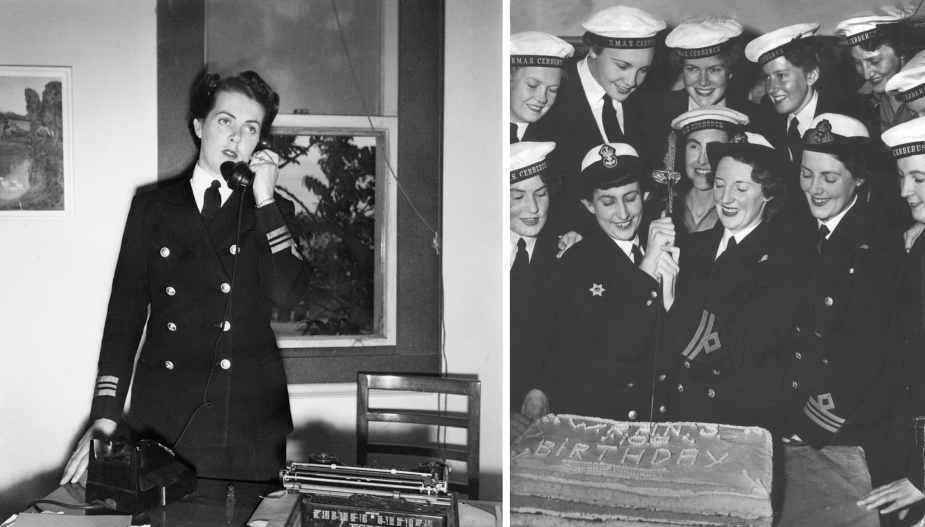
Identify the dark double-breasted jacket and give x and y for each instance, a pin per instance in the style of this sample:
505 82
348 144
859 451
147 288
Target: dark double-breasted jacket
209 367
532 318
727 326
606 315
911 324
842 370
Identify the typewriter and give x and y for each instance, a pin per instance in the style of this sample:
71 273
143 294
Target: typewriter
342 495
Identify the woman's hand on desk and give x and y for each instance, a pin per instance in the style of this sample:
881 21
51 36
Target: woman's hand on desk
77 464
901 493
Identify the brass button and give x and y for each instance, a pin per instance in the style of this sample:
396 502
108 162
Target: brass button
798 355
171 326
687 364
632 414
233 249
654 294
829 301
825 362
662 409
711 393
661 377
819 334
171 291
794 385
798 329
648 302
168 365
680 387
715 372
226 326
165 252
225 364
630 385
225 288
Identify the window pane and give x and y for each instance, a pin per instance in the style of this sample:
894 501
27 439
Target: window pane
297 47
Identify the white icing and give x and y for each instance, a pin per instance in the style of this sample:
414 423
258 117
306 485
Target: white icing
637 457
714 460
578 449
689 454
562 447
660 452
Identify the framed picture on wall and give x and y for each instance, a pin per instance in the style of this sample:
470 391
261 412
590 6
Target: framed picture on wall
36 172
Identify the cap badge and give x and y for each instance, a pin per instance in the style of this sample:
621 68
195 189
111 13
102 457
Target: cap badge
822 133
608 156
739 138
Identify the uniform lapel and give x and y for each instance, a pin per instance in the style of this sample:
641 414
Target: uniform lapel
738 268
224 226
181 215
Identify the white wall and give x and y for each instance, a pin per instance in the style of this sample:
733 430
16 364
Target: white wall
55 275
564 17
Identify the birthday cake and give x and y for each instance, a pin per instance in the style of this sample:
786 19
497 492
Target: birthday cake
571 470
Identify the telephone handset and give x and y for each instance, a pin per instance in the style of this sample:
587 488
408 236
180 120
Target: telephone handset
239 175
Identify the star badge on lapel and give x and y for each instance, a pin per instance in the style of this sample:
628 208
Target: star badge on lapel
597 290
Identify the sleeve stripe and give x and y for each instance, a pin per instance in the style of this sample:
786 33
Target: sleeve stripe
282 246
105 392
694 341
280 231
107 378
822 417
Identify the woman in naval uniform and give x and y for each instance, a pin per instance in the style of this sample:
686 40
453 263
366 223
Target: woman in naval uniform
876 39
608 300
537 68
905 493
841 361
208 261
736 286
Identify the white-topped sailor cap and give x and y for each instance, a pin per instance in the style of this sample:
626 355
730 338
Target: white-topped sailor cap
834 133
622 27
906 139
713 117
771 45
528 159
865 25
703 36
753 147
612 164
538 49
909 83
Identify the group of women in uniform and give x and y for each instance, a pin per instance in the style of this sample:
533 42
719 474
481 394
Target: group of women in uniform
727 251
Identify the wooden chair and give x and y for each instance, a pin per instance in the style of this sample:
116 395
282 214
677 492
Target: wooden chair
427 384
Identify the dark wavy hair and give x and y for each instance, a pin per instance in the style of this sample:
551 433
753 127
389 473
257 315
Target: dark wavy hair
247 83
814 53
772 186
892 35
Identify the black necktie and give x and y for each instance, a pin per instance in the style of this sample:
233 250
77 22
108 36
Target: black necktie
521 260
730 245
637 254
610 121
514 138
793 131
212 201
820 238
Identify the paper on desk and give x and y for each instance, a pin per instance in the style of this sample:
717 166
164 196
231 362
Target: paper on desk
279 509
67 520
470 516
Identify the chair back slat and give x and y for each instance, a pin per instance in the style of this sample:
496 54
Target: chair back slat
469 421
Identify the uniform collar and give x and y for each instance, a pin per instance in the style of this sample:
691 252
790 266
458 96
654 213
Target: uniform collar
202 180
739 236
833 222
806 115
627 246
593 91
530 241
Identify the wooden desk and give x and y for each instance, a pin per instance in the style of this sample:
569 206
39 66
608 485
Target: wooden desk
204 507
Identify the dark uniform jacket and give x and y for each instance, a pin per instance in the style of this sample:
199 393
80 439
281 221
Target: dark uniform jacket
570 124
531 318
842 360
911 322
198 347
607 309
727 325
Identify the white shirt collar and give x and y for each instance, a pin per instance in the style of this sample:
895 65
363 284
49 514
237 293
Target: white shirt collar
739 236
531 244
806 115
627 246
521 130
201 181
832 224
595 93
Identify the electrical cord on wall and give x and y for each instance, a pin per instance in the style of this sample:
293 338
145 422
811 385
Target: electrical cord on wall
435 241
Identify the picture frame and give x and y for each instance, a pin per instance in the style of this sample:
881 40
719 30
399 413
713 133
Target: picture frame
36 138
379 133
